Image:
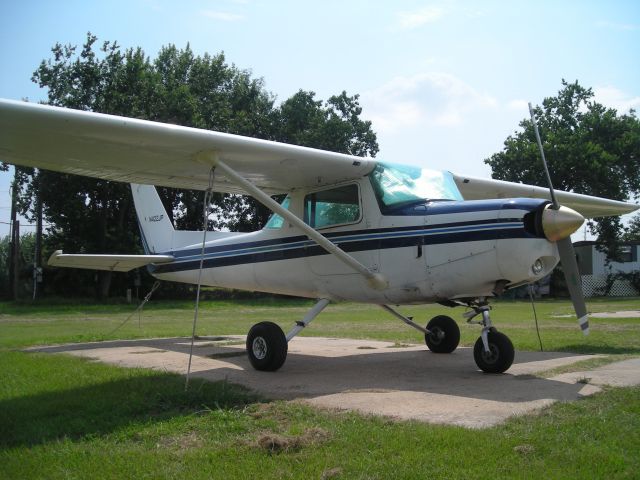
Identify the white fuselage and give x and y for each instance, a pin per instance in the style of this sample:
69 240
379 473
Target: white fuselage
438 251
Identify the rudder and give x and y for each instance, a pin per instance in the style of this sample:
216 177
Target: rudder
156 228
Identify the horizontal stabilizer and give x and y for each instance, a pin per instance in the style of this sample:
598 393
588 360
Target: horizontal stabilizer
114 263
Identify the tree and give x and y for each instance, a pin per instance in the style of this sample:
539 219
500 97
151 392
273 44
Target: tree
25 274
591 149
632 232
176 87
336 126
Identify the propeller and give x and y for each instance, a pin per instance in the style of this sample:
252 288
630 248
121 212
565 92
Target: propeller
559 224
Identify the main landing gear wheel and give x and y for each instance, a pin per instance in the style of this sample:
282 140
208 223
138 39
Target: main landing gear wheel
267 346
444 334
500 355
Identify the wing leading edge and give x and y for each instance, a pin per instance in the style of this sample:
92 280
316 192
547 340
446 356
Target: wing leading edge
140 151
588 206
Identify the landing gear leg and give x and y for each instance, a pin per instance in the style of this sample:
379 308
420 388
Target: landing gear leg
493 351
311 314
267 345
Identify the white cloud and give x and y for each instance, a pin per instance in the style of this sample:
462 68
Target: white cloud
417 18
222 16
518 104
430 99
625 27
613 97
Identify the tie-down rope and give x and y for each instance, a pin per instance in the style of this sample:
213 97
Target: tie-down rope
205 223
138 309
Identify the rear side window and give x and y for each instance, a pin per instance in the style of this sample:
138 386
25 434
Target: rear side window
337 206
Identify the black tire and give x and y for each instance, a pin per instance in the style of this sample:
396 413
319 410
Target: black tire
501 354
444 336
267 346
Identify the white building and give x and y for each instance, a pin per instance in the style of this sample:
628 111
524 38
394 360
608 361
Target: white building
597 276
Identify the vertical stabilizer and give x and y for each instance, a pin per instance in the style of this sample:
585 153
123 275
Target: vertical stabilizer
155 226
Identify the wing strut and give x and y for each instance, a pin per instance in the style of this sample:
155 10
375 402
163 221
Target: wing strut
376 280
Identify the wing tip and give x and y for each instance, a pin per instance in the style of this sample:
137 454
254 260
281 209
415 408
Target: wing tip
51 262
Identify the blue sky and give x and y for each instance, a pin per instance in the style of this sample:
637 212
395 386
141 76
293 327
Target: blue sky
444 82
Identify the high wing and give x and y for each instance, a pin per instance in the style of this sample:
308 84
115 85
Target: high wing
114 263
152 153
588 206
140 151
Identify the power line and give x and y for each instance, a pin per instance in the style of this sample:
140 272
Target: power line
28 224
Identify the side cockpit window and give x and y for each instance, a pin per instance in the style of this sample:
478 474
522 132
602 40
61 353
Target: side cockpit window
336 206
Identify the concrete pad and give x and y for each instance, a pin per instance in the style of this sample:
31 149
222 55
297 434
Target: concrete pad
620 314
373 377
618 374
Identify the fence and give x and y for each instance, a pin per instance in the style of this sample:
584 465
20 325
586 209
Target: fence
597 285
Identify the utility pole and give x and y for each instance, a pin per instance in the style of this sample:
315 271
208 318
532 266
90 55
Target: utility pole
15 245
37 260
15 260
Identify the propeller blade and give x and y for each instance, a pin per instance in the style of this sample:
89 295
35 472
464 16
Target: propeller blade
554 201
574 283
565 247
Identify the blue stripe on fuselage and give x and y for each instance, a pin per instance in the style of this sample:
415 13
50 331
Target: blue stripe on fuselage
368 239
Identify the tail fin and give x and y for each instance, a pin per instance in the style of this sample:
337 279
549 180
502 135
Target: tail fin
155 226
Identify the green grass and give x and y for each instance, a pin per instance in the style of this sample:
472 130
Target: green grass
24 324
64 417
584 365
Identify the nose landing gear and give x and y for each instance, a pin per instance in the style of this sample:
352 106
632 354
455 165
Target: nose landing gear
493 351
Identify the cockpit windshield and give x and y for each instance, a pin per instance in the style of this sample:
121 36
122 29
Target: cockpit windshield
396 185
275 220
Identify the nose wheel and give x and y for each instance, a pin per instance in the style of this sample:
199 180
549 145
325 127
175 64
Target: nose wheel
493 351
499 356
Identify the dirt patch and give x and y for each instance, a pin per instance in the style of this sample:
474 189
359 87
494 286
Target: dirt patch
271 411
275 443
524 449
620 314
180 442
331 473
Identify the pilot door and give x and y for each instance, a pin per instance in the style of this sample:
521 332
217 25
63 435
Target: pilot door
337 213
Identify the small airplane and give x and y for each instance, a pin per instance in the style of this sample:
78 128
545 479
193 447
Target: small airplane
349 228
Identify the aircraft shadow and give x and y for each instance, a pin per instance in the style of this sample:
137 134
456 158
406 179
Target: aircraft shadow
101 408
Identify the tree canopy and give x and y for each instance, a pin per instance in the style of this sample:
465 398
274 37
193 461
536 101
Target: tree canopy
591 149
183 88
632 232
